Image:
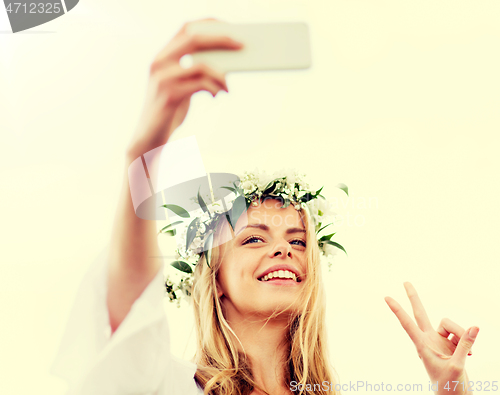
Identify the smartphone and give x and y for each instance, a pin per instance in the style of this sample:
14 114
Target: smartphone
267 46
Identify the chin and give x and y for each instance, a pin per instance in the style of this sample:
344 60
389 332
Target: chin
285 306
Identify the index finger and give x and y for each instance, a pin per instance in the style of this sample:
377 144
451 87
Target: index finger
184 43
183 28
407 323
418 308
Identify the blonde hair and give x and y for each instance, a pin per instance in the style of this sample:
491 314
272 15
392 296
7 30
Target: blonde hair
223 369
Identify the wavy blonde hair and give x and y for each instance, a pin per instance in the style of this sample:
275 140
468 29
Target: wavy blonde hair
223 369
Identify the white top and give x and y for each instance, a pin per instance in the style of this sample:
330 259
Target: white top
136 359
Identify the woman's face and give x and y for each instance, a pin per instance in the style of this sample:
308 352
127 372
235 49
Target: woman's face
269 244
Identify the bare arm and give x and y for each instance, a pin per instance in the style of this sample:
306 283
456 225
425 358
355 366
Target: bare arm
134 243
131 263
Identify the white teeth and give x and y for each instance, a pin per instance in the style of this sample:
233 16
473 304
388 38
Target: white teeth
280 274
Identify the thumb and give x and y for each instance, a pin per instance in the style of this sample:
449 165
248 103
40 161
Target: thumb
465 344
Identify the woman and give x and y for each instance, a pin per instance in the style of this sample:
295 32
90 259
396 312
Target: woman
255 336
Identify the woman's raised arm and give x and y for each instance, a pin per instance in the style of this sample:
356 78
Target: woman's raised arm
134 244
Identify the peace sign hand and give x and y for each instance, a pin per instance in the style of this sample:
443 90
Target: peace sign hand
443 358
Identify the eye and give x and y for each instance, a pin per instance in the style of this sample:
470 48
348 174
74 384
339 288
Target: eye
252 238
301 241
250 241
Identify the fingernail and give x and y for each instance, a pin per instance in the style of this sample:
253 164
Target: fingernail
473 332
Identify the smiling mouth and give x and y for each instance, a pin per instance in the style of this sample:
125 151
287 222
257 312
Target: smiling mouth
280 275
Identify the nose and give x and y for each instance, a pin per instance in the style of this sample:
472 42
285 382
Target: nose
280 253
282 248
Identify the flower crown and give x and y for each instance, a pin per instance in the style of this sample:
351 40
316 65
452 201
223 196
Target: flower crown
289 187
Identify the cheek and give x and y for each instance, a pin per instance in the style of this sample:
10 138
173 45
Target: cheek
234 280
229 278
223 281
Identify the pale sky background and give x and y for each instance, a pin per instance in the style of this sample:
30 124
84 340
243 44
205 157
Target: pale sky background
401 104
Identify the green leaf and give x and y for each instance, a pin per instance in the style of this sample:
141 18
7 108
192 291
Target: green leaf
239 189
231 189
323 228
318 191
326 237
191 232
286 202
202 204
228 218
172 224
239 206
306 197
177 210
344 188
270 187
336 245
182 266
208 247
171 232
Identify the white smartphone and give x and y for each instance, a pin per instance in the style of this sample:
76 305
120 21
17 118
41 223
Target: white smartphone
267 46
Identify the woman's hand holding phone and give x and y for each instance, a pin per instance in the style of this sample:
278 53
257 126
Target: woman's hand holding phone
171 86
134 247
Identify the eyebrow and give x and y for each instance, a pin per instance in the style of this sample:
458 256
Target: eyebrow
266 228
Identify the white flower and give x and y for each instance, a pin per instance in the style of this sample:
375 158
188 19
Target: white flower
196 243
313 211
193 259
330 250
204 217
216 208
321 210
264 179
291 179
304 184
250 177
248 186
181 240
